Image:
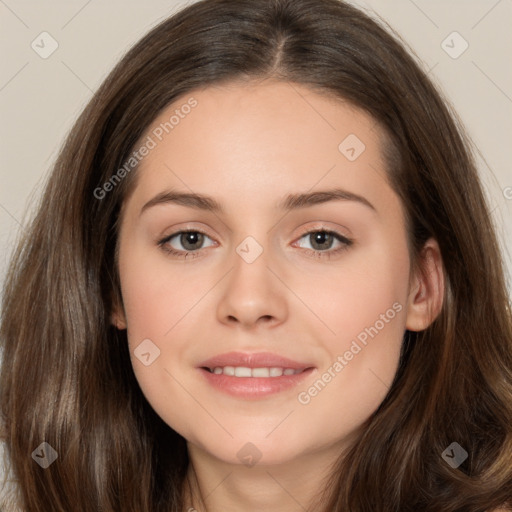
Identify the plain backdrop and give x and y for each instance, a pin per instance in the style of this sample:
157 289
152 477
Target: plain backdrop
40 98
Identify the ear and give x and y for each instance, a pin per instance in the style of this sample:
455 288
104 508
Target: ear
426 290
118 320
118 316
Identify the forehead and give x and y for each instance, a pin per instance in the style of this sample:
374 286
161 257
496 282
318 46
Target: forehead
258 141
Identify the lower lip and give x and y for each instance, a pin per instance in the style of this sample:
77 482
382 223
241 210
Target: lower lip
254 387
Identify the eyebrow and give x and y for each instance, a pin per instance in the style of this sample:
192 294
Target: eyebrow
290 202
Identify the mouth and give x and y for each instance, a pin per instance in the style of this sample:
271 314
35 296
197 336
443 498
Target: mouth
258 373
253 376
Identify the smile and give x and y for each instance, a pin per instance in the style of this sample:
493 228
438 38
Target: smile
243 371
253 383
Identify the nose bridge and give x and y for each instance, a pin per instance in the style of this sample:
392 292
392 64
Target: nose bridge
251 291
250 262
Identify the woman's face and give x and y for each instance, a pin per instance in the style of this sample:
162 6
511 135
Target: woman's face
299 252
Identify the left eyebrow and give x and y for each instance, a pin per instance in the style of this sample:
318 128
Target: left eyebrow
290 202
296 201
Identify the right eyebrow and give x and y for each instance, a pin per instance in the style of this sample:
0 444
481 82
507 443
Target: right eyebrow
192 200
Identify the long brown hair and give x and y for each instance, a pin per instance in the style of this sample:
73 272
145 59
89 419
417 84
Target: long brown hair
66 376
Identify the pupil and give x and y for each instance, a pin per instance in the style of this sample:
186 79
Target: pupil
322 238
191 239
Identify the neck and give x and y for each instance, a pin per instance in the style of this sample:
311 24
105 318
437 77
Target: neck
213 485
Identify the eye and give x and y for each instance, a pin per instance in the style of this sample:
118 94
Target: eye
321 242
185 243
189 240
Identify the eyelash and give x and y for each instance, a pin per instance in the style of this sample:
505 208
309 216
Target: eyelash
327 254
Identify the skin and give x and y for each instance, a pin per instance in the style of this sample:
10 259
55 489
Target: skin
248 145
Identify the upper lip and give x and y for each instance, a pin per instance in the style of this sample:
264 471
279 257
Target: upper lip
254 360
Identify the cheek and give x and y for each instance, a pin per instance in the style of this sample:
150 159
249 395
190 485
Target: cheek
163 305
364 308
154 298
159 306
354 294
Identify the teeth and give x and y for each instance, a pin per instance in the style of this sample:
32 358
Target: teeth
242 371
275 372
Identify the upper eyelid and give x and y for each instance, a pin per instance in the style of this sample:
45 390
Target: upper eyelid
185 230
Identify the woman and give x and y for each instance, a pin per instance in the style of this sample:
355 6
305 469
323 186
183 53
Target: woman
339 339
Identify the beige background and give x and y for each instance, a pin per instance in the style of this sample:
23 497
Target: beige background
41 98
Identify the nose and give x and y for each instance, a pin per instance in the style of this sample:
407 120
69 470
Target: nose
252 295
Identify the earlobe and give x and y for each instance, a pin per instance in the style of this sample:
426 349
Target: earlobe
427 289
118 321
118 317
